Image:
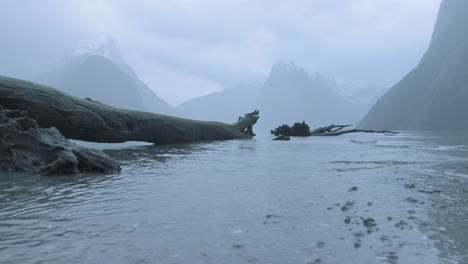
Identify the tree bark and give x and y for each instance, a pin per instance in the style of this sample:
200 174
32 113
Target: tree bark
330 128
336 130
89 120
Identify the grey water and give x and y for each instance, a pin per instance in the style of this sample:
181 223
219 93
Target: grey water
349 199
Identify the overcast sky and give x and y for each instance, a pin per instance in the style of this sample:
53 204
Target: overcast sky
186 48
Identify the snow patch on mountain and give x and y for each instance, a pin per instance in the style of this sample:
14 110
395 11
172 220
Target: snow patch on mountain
104 45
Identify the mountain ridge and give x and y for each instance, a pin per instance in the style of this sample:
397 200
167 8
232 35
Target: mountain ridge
433 95
91 70
288 95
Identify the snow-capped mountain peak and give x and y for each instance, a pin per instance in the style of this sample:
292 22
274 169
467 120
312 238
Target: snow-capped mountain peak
286 65
104 46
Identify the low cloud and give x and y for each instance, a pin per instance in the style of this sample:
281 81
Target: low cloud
185 48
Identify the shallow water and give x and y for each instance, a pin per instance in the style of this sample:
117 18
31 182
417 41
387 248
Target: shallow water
250 201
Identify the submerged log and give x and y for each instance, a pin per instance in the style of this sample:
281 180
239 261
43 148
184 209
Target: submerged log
89 120
284 138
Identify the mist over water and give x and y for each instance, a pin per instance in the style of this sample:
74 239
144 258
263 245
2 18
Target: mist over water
192 76
250 201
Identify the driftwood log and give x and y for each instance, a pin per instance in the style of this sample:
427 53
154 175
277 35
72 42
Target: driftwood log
89 120
336 130
302 130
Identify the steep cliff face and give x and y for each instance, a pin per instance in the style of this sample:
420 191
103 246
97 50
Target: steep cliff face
433 96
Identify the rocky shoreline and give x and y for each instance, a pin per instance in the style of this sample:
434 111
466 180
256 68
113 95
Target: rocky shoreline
25 147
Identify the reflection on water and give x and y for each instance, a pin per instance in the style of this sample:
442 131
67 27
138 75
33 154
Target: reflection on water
349 199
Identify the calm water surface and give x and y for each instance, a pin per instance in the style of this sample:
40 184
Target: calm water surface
250 201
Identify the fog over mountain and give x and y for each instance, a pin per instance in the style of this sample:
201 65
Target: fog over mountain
434 95
96 70
222 106
288 95
234 131
185 49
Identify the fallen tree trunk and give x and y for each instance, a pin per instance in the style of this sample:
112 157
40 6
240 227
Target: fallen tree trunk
336 130
354 131
89 120
331 130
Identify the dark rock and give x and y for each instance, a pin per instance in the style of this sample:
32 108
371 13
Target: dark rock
369 223
410 186
401 224
430 191
411 200
347 220
353 189
15 113
2 115
26 147
348 205
24 124
284 138
272 216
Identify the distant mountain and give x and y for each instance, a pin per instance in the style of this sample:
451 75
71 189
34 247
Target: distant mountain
288 95
433 96
96 70
151 101
359 93
223 106
98 78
